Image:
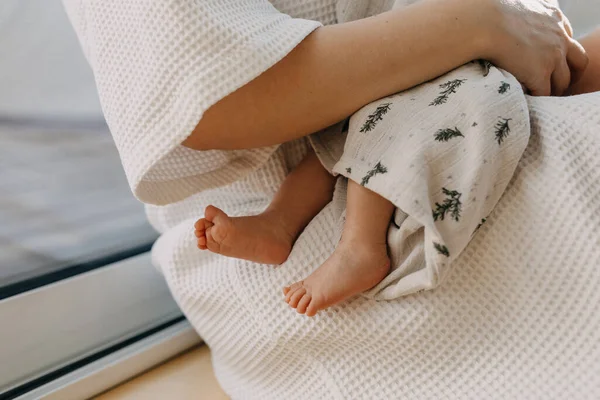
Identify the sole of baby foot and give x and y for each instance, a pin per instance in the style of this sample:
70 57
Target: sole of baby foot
355 266
260 238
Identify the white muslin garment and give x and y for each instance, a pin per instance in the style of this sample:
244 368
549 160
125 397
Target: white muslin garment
443 153
517 314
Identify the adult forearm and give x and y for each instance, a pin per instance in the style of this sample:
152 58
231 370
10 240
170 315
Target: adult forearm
590 80
338 69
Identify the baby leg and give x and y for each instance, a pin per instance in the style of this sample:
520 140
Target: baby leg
268 237
360 260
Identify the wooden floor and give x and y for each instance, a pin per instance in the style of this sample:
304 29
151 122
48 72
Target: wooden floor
189 376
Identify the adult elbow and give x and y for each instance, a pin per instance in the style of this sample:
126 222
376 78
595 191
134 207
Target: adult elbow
200 140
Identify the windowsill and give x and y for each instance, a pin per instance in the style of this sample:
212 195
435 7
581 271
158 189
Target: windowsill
188 376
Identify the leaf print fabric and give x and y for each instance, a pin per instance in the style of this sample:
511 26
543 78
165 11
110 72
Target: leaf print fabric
443 250
504 87
449 87
451 205
443 153
479 225
378 169
502 129
377 116
486 66
443 135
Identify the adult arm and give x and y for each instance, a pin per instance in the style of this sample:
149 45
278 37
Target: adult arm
338 69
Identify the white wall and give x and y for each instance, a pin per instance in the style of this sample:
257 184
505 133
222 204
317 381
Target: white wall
583 14
43 73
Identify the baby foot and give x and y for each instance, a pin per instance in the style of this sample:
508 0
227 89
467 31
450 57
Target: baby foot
354 267
260 238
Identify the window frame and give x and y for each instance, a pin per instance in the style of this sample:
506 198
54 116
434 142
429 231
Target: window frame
56 325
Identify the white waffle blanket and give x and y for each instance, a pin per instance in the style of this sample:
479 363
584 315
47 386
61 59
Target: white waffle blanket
516 317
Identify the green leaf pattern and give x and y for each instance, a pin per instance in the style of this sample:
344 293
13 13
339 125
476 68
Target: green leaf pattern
449 88
375 117
378 169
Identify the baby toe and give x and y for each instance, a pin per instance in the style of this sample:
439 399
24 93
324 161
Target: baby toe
202 224
296 285
212 212
292 287
295 298
291 290
303 303
312 308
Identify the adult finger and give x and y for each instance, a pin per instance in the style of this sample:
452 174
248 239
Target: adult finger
561 78
568 27
577 59
554 7
541 88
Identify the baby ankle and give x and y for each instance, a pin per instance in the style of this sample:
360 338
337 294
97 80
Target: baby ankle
282 221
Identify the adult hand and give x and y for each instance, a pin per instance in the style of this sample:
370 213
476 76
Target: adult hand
533 40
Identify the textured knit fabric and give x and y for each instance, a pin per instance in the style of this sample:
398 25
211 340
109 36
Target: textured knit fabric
517 315
443 153
159 65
